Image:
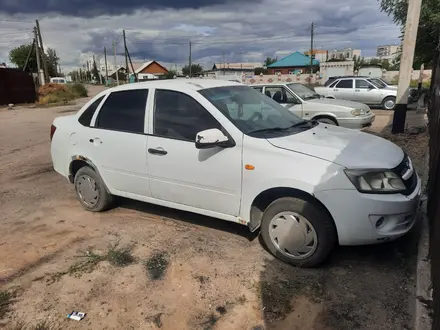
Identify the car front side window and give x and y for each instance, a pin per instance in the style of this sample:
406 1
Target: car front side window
179 116
124 111
361 83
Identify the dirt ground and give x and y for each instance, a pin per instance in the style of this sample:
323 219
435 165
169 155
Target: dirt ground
140 266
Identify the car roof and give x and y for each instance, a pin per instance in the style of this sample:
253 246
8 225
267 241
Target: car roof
178 84
268 84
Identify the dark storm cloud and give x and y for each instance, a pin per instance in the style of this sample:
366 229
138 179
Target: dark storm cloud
91 8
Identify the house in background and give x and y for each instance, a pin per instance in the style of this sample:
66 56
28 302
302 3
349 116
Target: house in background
388 52
234 69
321 55
148 70
293 64
344 54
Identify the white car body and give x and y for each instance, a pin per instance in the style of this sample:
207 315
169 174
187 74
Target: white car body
360 90
225 183
339 111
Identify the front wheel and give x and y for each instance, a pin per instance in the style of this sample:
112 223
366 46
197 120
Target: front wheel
389 103
327 121
298 232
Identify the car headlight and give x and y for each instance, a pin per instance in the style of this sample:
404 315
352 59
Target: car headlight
376 182
358 112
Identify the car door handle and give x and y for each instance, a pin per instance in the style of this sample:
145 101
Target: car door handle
357 90
336 90
157 151
95 141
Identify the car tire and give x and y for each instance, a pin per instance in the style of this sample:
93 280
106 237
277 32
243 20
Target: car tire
91 190
389 103
311 231
326 120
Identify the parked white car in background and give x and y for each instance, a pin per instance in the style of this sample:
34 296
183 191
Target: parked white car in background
307 104
363 90
224 150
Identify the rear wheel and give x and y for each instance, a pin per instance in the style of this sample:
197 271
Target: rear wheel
389 103
298 232
91 191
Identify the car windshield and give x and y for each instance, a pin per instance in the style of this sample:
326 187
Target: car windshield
303 91
377 83
254 113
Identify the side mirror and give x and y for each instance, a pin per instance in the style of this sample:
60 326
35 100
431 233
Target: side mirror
211 138
370 87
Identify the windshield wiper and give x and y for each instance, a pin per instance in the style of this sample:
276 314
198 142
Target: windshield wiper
273 129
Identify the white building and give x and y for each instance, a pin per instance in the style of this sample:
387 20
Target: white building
388 52
344 54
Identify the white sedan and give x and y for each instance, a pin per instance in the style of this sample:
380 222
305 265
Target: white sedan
224 150
307 104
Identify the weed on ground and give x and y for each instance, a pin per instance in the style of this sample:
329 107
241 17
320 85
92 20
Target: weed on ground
119 257
5 302
156 265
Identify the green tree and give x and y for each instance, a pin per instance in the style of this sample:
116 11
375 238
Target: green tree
95 72
428 33
52 62
270 60
19 54
358 62
170 74
196 69
259 71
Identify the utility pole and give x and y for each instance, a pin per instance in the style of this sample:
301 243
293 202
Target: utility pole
40 39
29 55
311 51
127 74
116 65
190 62
106 69
88 71
406 62
37 53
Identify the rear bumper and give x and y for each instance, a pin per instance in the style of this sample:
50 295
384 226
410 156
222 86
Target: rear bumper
357 122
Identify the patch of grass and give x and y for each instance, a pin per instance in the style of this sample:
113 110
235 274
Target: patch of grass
5 302
156 265
79 90
42 325
242 300
119 257
89 260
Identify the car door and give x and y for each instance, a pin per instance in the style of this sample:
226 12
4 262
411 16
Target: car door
284 97
118 142
365 92
344 89
208 179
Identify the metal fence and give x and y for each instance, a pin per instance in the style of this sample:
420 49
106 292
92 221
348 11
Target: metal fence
16 87
434 188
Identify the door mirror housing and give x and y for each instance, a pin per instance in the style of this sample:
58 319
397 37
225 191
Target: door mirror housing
370 87
211 138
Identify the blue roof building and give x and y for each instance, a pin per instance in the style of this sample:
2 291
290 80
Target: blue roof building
292 64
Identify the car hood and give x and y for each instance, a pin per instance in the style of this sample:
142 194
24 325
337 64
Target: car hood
342 103
346 147
392 87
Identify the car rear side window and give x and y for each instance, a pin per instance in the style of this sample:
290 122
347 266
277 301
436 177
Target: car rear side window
124 111
179 116
87 115
346 83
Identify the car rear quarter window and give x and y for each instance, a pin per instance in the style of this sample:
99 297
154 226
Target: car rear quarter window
346 83
124 111
179 116
87 115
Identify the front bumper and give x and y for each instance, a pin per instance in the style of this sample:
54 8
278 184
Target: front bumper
358 122
356 215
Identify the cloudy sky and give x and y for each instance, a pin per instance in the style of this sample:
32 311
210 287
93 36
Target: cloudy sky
220 30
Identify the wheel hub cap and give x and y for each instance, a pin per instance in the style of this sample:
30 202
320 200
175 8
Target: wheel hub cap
88 190
389 104
293 235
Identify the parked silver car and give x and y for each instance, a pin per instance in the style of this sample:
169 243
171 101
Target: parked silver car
363 90
307 104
